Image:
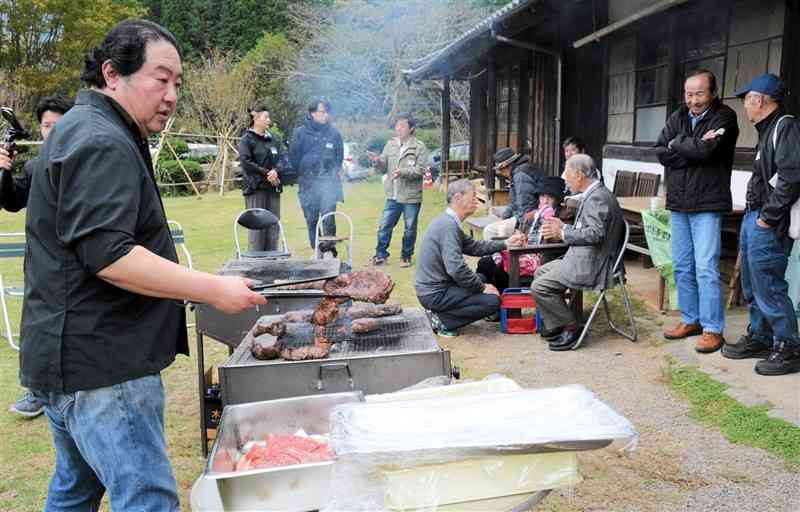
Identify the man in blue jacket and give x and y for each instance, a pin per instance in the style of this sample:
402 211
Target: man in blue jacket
317 152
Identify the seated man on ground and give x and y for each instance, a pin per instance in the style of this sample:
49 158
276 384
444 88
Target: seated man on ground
494 268
522 194
444 283
594 242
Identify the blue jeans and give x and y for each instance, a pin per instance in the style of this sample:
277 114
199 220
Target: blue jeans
391 214
764 287
111 439
696 241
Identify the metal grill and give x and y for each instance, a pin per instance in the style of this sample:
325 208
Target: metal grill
288 271
408 332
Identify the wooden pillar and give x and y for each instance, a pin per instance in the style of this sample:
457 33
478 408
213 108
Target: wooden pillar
524 100
491 118
445 129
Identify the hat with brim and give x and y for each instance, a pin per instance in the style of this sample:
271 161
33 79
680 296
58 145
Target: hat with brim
552 186
768 84
504 157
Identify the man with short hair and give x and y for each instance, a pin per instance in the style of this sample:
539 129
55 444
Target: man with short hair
696 148
594 242
14 197
764 243
523 198
317 152
103 312
404 159
445 285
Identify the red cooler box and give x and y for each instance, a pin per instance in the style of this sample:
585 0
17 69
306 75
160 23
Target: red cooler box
517 311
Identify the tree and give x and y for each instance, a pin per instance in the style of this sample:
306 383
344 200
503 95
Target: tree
43 42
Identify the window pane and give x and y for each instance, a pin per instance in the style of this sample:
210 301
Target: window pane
652 86
620 128
654 50
744 64
706 38
753 20
775 48
621 56
620 94
649 123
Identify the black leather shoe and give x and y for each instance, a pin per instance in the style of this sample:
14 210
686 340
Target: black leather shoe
746 348
784 359
551 333
566 341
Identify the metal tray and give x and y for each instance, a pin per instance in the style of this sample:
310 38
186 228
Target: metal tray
283 272
289 488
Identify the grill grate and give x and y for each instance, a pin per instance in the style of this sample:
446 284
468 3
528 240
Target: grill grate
409 332
290 271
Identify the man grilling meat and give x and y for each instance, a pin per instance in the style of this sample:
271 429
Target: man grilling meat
98 322
453 294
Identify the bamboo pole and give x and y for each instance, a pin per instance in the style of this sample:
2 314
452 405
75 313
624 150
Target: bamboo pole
185 172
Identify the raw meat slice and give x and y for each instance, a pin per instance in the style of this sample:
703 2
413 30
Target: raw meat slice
266 347
364 285
284 450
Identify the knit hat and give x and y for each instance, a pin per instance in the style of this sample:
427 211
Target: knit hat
505 156
552 186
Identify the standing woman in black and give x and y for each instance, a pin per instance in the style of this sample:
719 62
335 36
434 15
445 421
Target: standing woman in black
259 156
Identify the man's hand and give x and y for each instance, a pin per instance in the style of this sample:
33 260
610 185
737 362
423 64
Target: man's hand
6 159
515 240
710 135
490 289
762 224
234 295
551 229
396 173
272 178
373 156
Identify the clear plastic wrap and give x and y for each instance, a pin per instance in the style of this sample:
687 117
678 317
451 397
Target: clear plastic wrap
389 452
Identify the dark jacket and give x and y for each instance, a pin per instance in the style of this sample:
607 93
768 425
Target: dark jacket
93 198
14 190
783 159
523 192
698 172
257 156
316 153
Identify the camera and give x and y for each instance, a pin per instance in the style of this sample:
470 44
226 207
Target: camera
14 130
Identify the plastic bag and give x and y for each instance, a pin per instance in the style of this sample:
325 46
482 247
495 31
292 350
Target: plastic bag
793 277
658 232
439 440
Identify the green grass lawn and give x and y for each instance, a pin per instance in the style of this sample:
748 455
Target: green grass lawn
26 453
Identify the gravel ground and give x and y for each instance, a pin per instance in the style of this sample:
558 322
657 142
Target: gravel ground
678 465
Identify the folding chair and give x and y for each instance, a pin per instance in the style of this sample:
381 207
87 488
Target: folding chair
258 219
15 248
179 239
618 280
333 239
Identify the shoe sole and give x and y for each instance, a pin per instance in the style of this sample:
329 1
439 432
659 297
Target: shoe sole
706 350
26 414
671 337
561 348
754 355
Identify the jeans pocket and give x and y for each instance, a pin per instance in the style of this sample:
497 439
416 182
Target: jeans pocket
60 402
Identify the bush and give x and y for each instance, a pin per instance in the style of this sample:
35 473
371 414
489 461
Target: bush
179 145
169 171
431 137
375 144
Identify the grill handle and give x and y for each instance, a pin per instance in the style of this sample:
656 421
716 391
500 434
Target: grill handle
332 367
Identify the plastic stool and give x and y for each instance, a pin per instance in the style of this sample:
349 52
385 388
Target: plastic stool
517 311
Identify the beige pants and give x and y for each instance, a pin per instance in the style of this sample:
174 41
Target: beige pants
500 229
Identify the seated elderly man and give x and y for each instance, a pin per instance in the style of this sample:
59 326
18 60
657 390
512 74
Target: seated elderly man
594 241
523 196
445 285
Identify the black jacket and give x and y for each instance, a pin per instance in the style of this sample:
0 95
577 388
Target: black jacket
698 172
784 159
316 151
14 190
523 192
257 156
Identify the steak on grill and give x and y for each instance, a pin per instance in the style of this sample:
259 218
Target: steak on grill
267 326
303 315
304 353
326 312
363 286
371 310
364 325
266 347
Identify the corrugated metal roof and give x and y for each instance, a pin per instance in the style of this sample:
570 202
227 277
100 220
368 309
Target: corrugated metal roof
429 64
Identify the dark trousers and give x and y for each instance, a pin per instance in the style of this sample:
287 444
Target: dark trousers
264 239
493 273
548 290
764 287
457 307
391 214
317 201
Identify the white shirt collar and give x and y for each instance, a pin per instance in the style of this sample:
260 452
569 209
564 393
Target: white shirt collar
453 214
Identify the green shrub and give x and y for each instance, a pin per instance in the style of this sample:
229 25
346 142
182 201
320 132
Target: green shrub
169 171
179 145
431 137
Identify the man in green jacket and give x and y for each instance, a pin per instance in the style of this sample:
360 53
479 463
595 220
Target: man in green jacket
404 159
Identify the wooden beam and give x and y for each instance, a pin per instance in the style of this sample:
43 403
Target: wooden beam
491 132
445 129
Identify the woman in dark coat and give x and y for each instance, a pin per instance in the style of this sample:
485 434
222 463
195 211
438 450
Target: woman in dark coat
259 154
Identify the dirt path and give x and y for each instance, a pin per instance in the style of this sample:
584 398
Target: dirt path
678 465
